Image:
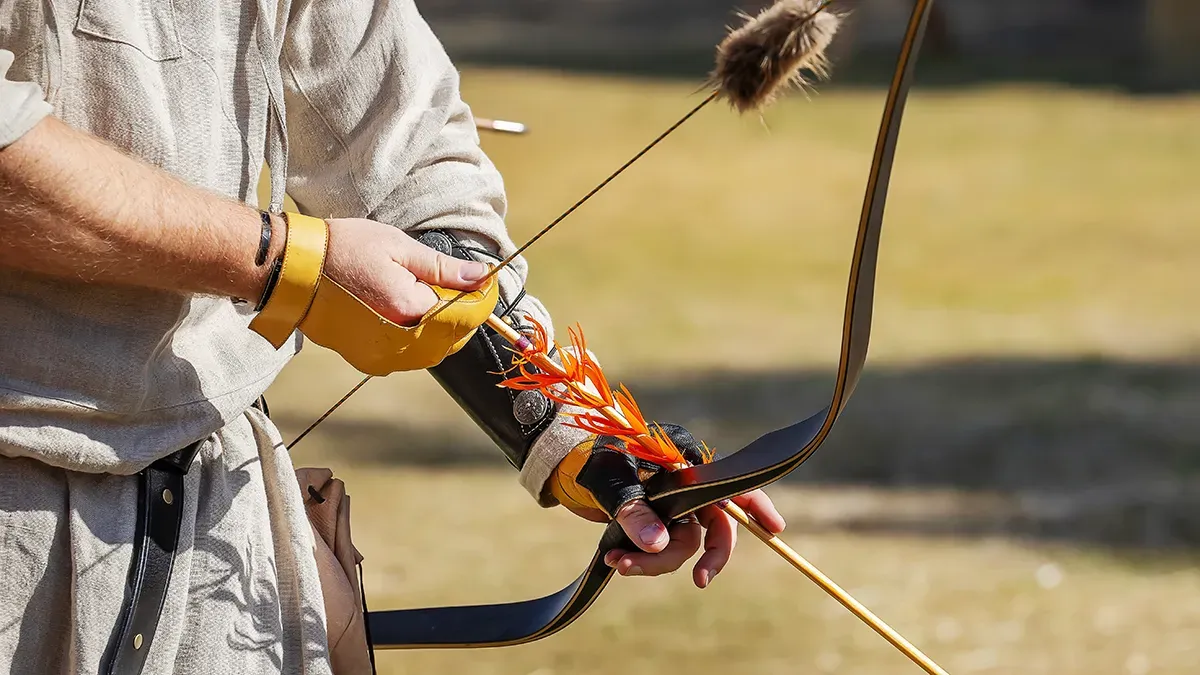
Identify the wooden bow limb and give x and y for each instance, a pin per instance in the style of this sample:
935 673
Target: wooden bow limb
776 544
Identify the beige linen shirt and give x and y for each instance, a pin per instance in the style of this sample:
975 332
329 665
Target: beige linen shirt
356 106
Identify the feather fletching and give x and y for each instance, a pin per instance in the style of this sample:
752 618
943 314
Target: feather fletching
579 382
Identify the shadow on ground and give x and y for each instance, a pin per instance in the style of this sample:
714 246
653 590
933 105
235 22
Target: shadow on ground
1089 449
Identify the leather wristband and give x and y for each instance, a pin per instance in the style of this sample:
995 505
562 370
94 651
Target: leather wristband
299 274
329 314
272 279
264 239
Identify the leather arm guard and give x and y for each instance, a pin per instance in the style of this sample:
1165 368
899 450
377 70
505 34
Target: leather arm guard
512 419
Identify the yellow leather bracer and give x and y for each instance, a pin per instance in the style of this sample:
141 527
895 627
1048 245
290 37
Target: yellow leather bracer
305 299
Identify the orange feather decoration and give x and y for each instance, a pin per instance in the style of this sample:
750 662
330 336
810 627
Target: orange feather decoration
580 382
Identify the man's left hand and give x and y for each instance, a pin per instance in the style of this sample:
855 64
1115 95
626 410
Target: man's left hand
661 554
599 482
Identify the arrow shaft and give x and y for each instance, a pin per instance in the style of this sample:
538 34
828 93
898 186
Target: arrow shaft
837 592
736 512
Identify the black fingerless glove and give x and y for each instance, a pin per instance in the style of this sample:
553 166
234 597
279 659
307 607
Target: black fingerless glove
599 474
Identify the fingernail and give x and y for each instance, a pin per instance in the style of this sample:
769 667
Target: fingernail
705 577
611 558
652 534
634 571
473 271
723 503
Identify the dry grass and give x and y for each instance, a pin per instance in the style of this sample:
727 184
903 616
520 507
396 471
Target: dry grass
1033 226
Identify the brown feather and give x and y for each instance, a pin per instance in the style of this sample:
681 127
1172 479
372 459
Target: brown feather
774 50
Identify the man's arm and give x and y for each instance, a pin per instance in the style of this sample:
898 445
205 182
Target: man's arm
377 128
73 206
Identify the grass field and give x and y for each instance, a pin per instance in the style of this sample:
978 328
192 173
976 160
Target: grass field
1012 486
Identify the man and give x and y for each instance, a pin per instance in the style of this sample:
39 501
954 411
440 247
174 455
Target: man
132 269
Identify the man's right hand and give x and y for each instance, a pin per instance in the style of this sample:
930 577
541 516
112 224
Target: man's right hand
392 272
367 291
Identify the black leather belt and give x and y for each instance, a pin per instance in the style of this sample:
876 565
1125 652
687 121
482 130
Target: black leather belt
155 542
156 537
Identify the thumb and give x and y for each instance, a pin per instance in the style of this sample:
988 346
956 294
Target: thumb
439 269
643 527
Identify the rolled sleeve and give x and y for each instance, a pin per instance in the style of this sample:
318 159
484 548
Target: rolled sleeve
377 128
22 104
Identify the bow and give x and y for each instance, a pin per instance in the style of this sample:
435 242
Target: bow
676 494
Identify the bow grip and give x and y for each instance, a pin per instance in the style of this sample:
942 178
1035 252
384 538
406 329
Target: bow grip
614 536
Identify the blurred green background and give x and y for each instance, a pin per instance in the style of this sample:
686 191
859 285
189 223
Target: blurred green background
1013 484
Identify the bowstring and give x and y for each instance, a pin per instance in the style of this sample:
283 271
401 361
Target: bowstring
508 260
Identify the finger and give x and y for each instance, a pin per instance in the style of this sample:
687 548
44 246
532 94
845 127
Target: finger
616 554
760 506
719 539
437 268
642 526
683 544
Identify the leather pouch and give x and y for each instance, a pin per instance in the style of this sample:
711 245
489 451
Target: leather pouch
339 566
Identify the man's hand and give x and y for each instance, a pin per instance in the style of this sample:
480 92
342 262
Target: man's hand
664 550
389 270
598 481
